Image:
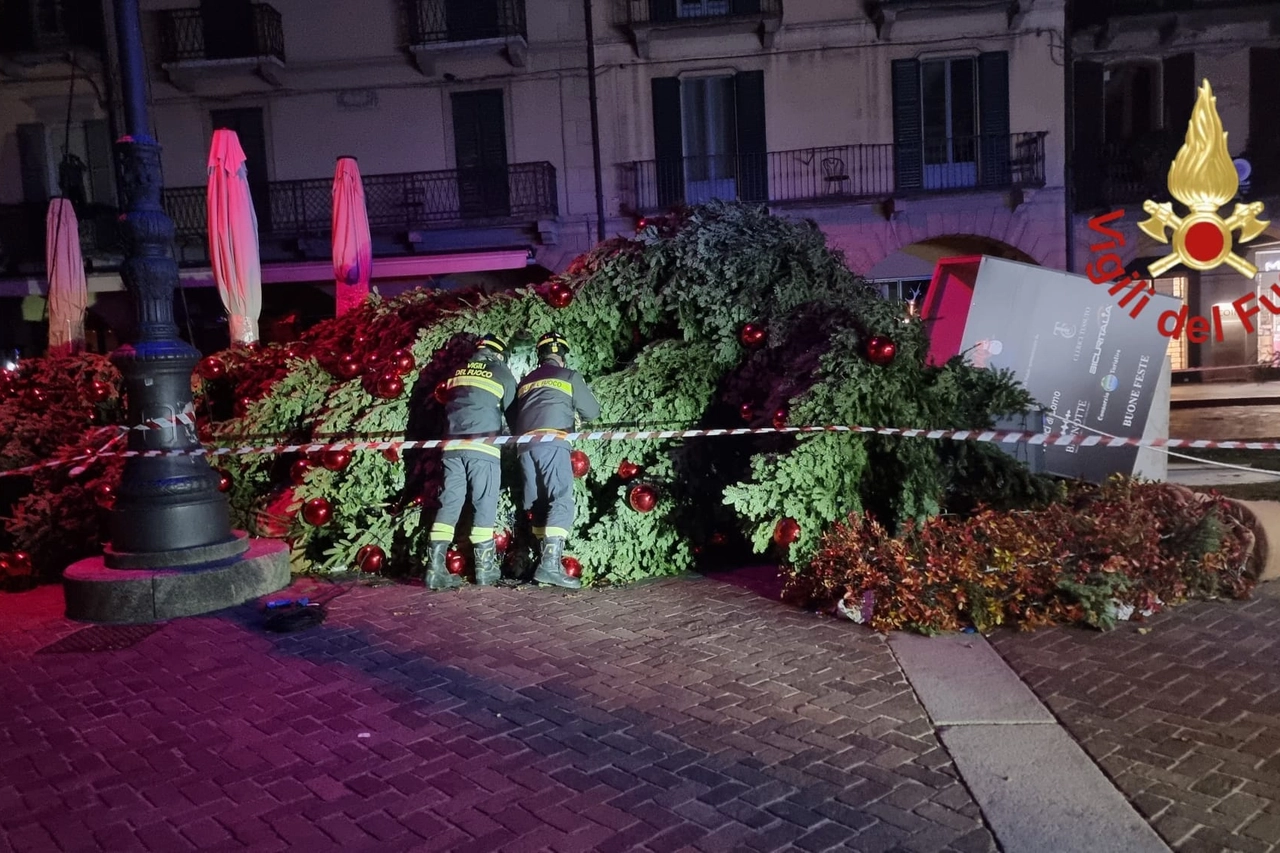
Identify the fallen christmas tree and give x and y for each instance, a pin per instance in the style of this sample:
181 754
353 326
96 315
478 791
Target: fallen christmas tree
717 317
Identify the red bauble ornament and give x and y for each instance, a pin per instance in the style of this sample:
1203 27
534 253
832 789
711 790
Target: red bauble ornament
224 480
35 398
391 454
752 335
97 391
628 470
502 540
389 387
443 393
371 558
242 406
20 562
347 367
718 539
403 362
746 412
559 295
572 567
881 351
360 341
455 563
317 512
786 531
780 419
298 471
211 368
105 495
643 498
580 462
336 460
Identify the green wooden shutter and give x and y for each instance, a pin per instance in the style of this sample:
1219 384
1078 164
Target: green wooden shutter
668 140
1179 92
662 10
1264 94
97 140
1086 135
908 141
753 158
993 119
33 158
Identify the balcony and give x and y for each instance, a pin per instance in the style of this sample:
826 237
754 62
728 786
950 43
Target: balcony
197 53
22 237
442 28
647 20
33 32
401 204
1166 18
841 174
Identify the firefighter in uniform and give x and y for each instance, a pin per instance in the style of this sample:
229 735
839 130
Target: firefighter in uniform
479 394
546 402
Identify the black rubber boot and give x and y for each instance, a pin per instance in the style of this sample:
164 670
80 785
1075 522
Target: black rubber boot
488 572
438 576
550 570
521 561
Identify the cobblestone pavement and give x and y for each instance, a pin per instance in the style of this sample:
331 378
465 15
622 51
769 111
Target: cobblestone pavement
1184 718
691 714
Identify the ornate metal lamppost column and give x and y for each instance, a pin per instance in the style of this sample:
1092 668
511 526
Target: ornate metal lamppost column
168 511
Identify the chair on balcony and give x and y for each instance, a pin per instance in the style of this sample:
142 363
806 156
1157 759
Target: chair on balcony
834 175
1026 157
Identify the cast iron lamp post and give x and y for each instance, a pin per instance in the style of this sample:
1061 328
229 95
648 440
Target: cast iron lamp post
168 510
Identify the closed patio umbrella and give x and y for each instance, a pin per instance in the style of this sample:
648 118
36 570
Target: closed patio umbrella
233 236
68 291
352 246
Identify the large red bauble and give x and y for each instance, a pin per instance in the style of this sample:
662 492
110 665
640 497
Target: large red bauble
391 454
881 351
298 471
211 367
780 419
752 335
559 295
502 540
580 462
20 562
403 362
572 567
455 563
746 412
371 558
242 406
389 387
317 512
97 391
628 470
336 460
105 495
347 367
643 498
443 393
786 531
224 480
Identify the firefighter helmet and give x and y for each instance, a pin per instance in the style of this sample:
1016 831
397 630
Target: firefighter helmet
552 343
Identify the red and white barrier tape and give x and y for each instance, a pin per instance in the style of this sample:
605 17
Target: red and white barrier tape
1051 439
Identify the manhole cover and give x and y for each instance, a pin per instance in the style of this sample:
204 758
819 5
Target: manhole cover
101 638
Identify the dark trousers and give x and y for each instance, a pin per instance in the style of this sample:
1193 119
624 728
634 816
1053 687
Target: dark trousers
468 471
548 487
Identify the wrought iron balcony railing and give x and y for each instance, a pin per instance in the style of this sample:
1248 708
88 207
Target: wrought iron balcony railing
698 11
443 21
842 173
187 36
407 201
1092 12
22 236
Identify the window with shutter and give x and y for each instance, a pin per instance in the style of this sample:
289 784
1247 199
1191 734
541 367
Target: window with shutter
753 157
908 138
480 146
33 158
993 120
668 141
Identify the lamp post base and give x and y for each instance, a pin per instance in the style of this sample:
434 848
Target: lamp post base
96 593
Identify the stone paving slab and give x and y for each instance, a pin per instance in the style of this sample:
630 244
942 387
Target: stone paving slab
679 715
1181 712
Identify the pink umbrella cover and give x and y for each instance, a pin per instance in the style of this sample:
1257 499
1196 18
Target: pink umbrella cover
352 245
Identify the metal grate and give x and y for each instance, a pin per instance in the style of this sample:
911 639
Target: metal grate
101 638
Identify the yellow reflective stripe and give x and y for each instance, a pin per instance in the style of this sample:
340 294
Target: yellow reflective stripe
553 384
481 534
557 532
441 532
547 431
539 532
491 449
494 388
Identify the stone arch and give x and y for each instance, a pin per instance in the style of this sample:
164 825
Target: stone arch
1031 232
